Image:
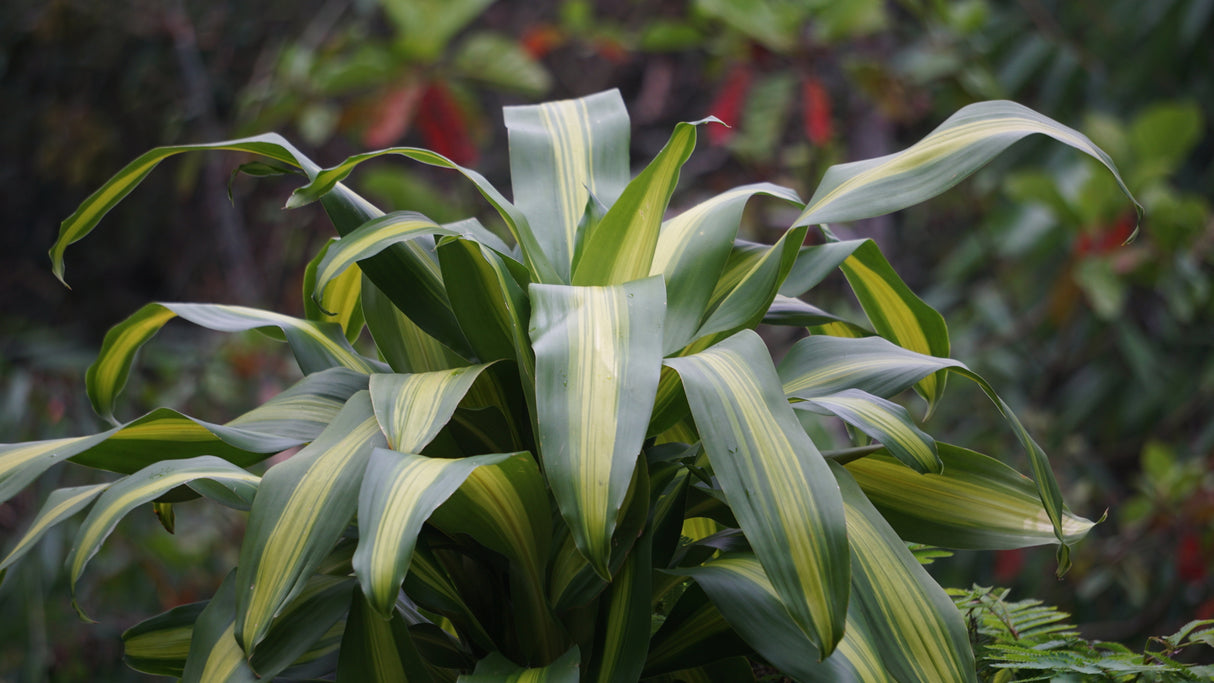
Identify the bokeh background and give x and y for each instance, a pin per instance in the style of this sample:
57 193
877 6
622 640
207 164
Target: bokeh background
1106 351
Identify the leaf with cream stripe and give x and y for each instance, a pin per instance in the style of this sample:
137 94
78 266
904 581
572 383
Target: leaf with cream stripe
692 249
777 483
399 491
598 356
412 408
60 505
976 502
564 156
883 420
965 142
143 486
316 346
302 508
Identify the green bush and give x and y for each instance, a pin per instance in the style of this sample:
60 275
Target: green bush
567 448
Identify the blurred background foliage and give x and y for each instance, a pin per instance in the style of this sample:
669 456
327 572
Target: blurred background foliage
1106 350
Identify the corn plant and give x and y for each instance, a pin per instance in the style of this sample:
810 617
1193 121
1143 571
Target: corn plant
568 455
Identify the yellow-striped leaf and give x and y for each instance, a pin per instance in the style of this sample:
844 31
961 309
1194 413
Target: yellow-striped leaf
777 483
160 645
497 669
378 650
814 263
302 508
691 251
92 209
914 628
148 483
976 502
399 491
885 421
965 142
304 629
412 408
489 302
744 304
745 596
21 463
620 247
343 301
405 346
565 156
325 181
824 364
896 312
60 505
693 633
625 614
215 655
316 346
598 356
371 238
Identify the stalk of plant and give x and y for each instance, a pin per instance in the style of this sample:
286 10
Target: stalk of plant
568 454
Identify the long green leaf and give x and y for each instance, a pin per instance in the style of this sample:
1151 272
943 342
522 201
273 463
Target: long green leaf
302 507
565 156
884 421
60 505
328 179
877 366
402 271
913 624
370 239
412 408
745 596
598 356
378 650
497 669
490 304
976 502
343 300
92 209
625 613
316 346
745 303
691 251
777 482
399 491
404 345
302 631
695 633
22 463
896 312
620 247
965 142
214 655
160 645
146 484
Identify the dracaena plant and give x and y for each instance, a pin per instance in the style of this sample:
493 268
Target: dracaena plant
568 451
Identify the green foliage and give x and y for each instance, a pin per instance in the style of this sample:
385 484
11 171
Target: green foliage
1029 641
557 426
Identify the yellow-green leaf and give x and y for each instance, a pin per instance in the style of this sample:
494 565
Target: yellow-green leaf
777 483
965 142
598 356
302 508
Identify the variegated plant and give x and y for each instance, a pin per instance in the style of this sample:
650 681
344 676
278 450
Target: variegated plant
568 454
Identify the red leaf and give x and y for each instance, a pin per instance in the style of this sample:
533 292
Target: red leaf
442 124
541 39
727 105
391 115
1008 564
816 111
1189 562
